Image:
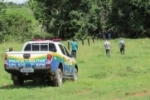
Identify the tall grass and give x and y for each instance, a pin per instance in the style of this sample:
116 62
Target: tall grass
118 77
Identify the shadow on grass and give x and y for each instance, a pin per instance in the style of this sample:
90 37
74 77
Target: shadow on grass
27 85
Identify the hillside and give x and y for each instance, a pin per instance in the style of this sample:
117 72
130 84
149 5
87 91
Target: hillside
25 11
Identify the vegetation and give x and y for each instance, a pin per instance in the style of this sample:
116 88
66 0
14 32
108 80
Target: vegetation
24 11
68 18
13 26
120 77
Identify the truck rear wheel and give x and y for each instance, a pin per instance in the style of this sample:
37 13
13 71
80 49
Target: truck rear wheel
17 80
59 78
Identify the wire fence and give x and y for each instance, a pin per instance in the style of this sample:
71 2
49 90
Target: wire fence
87 41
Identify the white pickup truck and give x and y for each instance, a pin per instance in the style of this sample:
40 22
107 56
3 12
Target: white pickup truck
41 60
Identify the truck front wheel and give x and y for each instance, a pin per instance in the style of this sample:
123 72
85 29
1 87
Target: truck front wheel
58 78
75 75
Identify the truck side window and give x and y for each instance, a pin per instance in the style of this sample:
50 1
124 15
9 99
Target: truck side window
44 46
35 47
62 49
28 47
66 52
52 47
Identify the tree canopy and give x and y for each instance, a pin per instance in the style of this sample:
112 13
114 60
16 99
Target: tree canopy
76 18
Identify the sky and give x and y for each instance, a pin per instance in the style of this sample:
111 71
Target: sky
16 1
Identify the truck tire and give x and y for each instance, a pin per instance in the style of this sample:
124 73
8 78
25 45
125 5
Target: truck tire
17 81
58 78
75 75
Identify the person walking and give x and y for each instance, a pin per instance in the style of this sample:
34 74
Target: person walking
107 48
9 49
122 46
74 46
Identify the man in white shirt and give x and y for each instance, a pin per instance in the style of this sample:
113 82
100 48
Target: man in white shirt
107 48
122 46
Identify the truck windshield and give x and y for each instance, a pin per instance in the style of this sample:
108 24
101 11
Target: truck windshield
40 47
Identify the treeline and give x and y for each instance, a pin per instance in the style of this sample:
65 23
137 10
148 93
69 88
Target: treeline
80 19
14 5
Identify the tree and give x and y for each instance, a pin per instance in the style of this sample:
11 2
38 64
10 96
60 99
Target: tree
81 18
131 18
16 27
13 26
67 18
2 15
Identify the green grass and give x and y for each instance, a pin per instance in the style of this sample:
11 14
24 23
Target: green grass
119 77
24 11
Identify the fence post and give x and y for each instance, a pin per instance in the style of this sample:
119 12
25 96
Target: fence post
88 41
68 45
82 41
93 39
4 41
97 37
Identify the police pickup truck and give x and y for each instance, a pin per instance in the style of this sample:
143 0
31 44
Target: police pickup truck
41 60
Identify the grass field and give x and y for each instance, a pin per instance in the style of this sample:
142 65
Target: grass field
118 77
24 11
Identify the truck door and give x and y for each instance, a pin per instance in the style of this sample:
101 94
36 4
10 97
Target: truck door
71 67
66 60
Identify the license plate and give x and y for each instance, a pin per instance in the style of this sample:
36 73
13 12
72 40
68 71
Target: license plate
27 70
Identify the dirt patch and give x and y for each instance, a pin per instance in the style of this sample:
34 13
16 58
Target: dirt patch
138 94
83 92
117 99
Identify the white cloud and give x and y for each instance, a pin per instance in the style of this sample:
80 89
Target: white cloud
16 1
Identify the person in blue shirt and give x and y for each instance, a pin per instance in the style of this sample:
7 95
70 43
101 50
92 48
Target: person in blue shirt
74 46
122 46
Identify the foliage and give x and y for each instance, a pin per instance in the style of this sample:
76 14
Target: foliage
81 18
2 14
17 29
131 17
14 26
66 18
